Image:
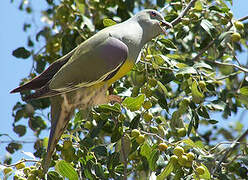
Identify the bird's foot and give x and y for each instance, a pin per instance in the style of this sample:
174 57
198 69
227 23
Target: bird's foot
114 98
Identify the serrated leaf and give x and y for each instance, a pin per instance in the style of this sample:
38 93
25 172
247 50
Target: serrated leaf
66 170
207 26
21 52
202 65
198 97
134 104
168 44
167 170
108 22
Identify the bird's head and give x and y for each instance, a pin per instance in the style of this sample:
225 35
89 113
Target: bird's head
152 22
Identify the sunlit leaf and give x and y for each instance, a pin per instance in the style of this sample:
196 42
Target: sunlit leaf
108 22
134 104
198 97
66 169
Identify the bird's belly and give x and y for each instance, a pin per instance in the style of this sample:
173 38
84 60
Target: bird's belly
124 69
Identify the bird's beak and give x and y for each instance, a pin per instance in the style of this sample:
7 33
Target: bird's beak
165 24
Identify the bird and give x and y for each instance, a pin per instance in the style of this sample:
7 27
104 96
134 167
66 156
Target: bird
81 78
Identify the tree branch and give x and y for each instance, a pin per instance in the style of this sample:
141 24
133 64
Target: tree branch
230 149
21 161
178 19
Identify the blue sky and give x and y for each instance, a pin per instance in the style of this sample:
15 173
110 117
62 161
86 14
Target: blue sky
13 70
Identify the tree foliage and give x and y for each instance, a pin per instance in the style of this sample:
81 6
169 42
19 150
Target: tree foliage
166 127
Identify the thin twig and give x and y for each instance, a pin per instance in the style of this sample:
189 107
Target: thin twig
230 149
243 18
157 136
178 19
124 158
21 161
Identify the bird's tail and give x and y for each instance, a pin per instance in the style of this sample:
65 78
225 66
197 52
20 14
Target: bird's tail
61 113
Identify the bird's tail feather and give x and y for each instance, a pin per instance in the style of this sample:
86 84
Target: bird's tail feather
61 113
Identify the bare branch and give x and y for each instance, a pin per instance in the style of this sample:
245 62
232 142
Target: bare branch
21 161
178 19
230 149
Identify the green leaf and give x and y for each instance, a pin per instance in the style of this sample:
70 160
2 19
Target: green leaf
108 22
183 32
202 111
80 6
20 130
191 143
162 87
150 154
244 91
198 97
186 70
168 44
202 65
207 26
88 22
107 108
21 52
134 104
206 175
66 170
117 133
167 170
53 175
100 150
198 5
212 121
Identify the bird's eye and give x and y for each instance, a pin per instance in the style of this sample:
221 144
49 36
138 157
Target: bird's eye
153 14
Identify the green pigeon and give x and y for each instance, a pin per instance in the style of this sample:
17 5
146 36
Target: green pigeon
81 78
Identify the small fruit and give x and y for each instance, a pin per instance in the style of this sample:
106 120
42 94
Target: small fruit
181 132
200 170
135 133
182 160
162 146
239 25
147 105
26 170
190 156
7 170
140 139
174 158
178 151
20 165
235 37
147 117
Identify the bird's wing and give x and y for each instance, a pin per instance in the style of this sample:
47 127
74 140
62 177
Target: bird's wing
93 62
45 76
